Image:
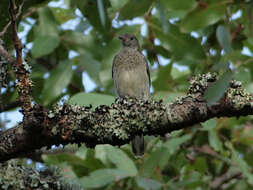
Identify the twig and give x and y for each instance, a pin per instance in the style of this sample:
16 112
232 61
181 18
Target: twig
219 181
29 13
21 69
5 29
6 55
9 106
9 23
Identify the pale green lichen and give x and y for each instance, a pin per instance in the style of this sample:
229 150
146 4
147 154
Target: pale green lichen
174 117
199 83
15 176
239 97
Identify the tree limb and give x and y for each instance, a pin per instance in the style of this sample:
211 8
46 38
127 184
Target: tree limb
11 105
21 69
117 124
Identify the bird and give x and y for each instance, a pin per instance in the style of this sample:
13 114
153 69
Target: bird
131 76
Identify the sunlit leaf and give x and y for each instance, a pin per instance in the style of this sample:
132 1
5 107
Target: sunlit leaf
63 15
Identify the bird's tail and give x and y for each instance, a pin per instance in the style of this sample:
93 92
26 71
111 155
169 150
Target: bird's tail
138 145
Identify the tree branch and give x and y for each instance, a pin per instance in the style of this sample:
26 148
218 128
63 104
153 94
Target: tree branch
9 106
117 124
21 69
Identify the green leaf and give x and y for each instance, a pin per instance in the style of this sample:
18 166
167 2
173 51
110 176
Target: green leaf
162 16
101 12
213 138
102 177
91 10
116 4
63 15
95 99
179 5
44 45
173 144
182 46
75 162
163 78
91 162
242 164
215 92
58 80
90 65
118 157
84 44
148 184
152 163
134 8
204 15
48 26
46 34
224 38
200 165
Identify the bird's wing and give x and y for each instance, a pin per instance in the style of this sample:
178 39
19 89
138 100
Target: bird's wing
113 63
148 72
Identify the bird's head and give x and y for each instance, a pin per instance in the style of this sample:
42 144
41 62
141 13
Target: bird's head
129 40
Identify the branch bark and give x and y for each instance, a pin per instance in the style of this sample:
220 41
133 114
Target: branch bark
21 69
117 124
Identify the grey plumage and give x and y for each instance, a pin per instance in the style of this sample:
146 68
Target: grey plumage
131 77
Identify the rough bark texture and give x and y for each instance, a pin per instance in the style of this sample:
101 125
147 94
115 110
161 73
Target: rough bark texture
117 124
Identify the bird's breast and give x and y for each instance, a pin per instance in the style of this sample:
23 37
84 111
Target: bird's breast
132 81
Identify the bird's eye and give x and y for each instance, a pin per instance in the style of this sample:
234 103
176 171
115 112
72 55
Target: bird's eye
131 38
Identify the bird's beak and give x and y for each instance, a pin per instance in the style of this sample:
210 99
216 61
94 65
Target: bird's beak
122 37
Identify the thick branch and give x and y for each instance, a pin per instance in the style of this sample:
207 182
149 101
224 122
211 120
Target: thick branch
117 124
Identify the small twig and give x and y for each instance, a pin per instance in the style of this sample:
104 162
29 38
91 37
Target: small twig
20 68
29 13
9 23
229 175
9 106
6 55
5 29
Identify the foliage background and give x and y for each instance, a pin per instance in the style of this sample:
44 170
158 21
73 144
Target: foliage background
180 39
